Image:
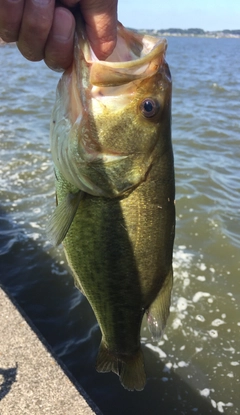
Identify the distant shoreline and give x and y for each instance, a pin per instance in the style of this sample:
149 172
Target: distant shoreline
235 34
193 33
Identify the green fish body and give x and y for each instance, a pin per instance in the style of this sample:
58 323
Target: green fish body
112 151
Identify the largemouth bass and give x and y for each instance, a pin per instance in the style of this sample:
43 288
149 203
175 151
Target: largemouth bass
115 214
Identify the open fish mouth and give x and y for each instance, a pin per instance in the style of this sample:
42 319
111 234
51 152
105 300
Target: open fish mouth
134 57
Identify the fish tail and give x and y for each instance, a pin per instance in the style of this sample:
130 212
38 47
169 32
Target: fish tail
130 369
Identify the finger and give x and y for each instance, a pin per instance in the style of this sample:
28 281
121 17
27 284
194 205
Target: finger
10 19
59 46
101 25
70 3
36 25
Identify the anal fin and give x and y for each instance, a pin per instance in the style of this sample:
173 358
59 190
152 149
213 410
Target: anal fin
158 312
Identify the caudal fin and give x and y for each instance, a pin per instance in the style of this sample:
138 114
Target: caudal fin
130 369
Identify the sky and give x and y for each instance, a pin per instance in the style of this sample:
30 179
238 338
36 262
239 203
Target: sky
183 14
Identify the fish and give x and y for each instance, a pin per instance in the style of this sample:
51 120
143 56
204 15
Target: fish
115 191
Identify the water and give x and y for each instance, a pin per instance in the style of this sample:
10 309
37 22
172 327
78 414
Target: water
195 367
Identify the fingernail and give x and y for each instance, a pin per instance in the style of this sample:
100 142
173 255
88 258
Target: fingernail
41 3
63 27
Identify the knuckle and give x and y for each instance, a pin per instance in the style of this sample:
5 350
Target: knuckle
39 27
8 35
30 52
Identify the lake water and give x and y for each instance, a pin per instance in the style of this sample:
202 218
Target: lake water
195 367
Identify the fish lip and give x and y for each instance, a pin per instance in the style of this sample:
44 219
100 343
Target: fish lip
120 73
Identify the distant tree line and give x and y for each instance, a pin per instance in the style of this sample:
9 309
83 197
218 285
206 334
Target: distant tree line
194 31
183 31
231 32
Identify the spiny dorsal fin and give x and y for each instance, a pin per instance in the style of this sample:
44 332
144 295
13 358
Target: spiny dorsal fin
62 217
158 312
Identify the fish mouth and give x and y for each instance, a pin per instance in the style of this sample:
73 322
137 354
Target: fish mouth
87 121
135 57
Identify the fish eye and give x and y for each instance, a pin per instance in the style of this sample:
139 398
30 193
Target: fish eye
149 107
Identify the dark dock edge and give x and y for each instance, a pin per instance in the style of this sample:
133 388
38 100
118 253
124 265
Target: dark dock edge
33 380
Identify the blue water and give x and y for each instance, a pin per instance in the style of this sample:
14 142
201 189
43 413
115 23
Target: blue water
195 367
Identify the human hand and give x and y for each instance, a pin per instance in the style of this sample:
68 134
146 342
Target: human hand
44 30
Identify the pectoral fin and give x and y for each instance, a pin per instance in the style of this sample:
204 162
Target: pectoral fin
62 217
158 312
